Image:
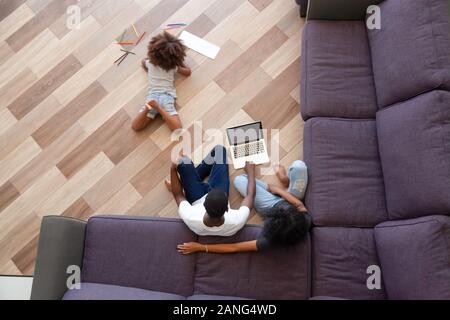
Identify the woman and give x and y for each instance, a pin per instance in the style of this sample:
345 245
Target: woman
285 217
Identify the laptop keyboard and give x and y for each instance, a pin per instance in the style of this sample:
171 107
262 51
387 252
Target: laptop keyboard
248 149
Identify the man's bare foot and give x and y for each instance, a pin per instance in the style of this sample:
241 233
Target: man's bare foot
168 185
280 171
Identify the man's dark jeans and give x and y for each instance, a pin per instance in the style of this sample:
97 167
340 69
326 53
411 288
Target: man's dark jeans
215 165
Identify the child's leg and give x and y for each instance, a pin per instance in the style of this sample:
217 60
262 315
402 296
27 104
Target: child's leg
141 121
282 175
167 111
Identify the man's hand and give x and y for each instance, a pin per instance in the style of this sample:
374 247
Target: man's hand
250 168
190 247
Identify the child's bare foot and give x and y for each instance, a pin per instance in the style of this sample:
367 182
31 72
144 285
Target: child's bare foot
168 185
280 171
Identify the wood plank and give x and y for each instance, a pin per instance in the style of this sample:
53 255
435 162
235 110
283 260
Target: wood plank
292 133
251 59
264 21
48 158
38 49
121 174
260 4
37 5
16 86
9 268
122 201
24 205
79 210
24 232
220 9
190 87
283 57
8 7
93 119
74 188
146 5
5 52
42 20
39 91
90 147
87 7
7 120
26 257
65 46
55 127
291 23
18 133
201 26
17 159
15 20
109 9
235 22
8 193
295 94
153 202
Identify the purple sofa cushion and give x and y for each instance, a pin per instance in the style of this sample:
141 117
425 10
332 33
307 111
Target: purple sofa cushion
410 53
140 253
414 141
341 257
345 186
415 257
275 274
337 78
96 291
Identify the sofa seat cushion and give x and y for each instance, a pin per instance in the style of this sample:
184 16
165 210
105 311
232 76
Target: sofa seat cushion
280 273
97 291
345 183
337 78
139 253
415 257
212 297
341 257
414 141
410 53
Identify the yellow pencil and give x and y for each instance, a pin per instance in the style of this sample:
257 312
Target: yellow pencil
135 31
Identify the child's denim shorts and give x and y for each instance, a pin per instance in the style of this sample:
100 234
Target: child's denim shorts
165 100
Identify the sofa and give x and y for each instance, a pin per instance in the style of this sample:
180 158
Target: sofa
376 105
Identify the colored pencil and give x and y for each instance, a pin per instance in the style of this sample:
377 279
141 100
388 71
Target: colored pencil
127 43
176 24
125 55
140 38
120 57
127 51
173 27
135 31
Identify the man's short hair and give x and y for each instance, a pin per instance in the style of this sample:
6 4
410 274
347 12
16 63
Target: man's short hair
216 203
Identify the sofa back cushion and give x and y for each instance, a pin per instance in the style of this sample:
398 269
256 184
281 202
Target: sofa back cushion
414 145
281 273
411 51
415 257
140 253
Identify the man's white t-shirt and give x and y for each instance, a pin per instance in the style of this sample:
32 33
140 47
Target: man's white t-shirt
193 215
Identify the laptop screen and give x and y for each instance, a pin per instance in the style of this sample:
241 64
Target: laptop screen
247 133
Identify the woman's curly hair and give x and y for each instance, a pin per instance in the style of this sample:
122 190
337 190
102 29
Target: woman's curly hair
166 51
285 225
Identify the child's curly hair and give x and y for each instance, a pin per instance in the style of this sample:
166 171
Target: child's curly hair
166 51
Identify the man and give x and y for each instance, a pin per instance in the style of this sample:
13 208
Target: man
204 206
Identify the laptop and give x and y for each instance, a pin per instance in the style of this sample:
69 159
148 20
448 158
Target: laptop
247 144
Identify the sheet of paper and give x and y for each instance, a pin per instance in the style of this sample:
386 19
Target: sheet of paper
198 44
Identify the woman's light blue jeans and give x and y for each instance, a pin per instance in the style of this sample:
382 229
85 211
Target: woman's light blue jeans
298 181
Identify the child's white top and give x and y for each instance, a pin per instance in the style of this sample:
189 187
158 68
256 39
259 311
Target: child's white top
160 80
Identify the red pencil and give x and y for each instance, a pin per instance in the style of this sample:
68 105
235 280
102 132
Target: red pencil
125 43
140 38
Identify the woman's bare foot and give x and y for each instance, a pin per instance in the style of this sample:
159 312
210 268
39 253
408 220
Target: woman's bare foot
280 171
168 185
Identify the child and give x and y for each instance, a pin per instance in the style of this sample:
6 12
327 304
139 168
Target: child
166 56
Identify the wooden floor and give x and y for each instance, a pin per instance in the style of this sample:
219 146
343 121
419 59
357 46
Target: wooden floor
66 147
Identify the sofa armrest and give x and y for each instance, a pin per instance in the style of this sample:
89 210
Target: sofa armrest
61 244
339 9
